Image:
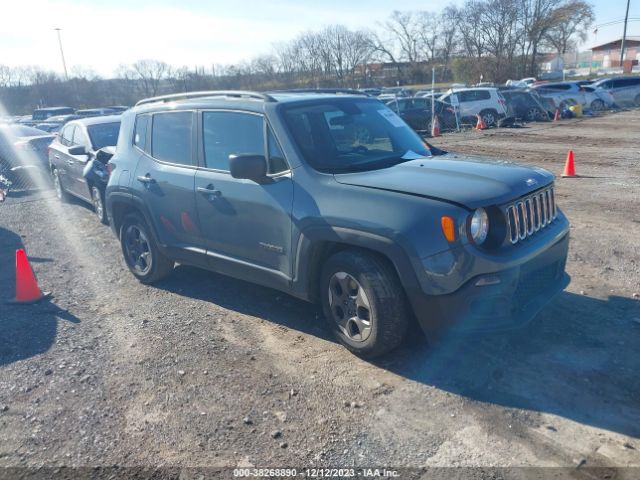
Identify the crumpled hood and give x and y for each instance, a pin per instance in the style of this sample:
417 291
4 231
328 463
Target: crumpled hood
461 179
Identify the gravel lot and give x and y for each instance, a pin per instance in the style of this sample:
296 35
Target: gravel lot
203 370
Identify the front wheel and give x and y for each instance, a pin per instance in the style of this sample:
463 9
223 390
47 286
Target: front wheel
597 105
490 117
363 302
140 251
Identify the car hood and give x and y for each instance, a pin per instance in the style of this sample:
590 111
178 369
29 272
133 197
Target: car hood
468 181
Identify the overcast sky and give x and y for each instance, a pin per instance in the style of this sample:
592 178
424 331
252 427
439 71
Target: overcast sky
102 34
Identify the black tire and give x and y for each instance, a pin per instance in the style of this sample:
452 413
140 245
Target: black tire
637 100
533 114
97 198
388 314
597 105
61 193
143 257
490 117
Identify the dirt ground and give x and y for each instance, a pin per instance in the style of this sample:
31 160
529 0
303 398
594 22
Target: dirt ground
206 371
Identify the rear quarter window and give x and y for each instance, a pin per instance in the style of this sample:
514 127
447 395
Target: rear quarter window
140 131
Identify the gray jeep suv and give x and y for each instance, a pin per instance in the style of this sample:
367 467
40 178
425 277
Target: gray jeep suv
332 198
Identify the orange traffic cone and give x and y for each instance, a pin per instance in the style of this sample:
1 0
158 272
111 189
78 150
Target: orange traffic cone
569 167
27 290
480 125
556 117
435 127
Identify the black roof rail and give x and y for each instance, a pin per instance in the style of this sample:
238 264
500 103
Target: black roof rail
343 91
213 93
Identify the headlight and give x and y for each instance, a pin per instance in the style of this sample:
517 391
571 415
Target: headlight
479 226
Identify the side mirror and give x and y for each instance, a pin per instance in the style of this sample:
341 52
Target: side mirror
77 150
248 166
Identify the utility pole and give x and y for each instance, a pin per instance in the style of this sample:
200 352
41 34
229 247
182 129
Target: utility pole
64 64
624 36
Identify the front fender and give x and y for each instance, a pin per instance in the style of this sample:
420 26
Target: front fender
311 237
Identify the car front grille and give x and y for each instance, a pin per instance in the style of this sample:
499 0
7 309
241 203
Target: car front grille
531 214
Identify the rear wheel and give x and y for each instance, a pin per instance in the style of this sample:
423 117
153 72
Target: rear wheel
61 193
97 198
364 302
140 251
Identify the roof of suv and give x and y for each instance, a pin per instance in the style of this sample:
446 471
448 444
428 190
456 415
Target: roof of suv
245 99
464 89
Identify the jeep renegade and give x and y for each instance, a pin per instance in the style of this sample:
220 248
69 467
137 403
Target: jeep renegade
332 198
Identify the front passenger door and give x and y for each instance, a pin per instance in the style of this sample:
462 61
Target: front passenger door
246 226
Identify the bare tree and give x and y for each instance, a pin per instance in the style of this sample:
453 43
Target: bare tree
151 73
84 72
573 21
539 17
448 33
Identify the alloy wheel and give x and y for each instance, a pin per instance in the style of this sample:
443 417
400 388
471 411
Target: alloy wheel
56 185
489 119
138 249
350 307
97 202
533 114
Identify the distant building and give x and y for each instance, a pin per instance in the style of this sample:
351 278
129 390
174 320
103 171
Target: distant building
607 55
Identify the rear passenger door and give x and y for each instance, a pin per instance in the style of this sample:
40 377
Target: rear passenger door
164 178
76 164
246 226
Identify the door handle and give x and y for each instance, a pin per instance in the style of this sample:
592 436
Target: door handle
56 156
146 179
69 162
209 190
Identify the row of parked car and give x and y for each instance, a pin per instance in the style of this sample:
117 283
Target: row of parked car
536 102
52 119
71 147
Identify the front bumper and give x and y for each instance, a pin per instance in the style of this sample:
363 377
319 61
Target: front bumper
498 300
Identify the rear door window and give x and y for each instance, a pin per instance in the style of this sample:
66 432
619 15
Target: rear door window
230 133
171 134
79 138
482 95
467 96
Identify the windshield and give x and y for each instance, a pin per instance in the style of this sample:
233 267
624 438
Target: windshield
342 135
104 134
